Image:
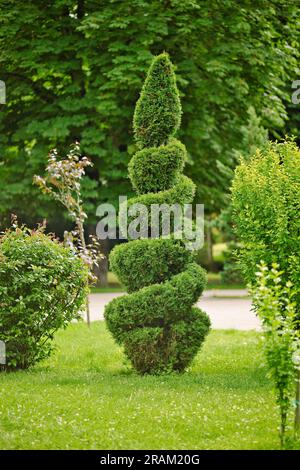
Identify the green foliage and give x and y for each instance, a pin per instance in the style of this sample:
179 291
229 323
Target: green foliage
158 111
154 262
63 183
266 205
156 350
58 93
254 137
42 288
160 329
158 304
278 312
181 193
231 273
153 170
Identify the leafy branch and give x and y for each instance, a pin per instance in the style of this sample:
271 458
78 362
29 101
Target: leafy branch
63 184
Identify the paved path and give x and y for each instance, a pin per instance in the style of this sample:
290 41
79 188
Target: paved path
227 309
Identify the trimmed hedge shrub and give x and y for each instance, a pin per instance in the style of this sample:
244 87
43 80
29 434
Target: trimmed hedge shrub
156 323
42 288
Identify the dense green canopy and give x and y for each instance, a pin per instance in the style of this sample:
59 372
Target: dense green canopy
73 70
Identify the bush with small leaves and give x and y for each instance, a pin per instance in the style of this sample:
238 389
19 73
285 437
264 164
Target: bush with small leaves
266 207
275 306
42 288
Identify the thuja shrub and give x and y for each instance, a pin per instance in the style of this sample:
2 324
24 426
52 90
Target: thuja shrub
156 323
42 288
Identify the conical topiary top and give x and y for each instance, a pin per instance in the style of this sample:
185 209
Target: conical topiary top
158 111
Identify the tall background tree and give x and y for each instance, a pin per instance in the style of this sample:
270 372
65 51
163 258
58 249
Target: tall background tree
73 70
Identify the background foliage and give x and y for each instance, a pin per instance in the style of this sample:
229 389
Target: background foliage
73 70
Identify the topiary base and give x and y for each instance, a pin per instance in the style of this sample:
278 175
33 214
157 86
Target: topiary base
171 349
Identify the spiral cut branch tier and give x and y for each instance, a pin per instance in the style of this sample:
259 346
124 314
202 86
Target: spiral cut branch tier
157 324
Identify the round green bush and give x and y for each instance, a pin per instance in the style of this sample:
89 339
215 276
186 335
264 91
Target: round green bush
43 286
156 323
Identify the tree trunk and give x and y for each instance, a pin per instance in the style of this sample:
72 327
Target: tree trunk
88 317
102 272
210 261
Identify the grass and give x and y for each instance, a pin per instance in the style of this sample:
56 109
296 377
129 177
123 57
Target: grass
85 397
108 289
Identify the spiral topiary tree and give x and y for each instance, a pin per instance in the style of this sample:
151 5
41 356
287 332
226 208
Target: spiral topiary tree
156 323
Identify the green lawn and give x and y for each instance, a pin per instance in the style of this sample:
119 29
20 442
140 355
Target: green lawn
85 397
